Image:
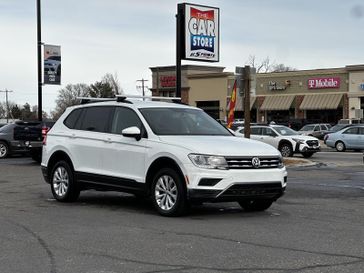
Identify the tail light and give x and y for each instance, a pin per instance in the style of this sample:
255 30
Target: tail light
44 134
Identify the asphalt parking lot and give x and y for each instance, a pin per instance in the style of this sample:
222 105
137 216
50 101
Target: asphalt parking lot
316 227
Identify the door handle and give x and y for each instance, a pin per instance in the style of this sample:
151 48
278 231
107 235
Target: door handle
73 136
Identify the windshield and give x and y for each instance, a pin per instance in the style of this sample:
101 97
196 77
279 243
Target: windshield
308 128
182 121
285 131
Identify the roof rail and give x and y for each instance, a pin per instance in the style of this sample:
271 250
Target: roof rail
85 100
123 97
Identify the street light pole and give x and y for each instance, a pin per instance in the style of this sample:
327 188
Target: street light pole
39 48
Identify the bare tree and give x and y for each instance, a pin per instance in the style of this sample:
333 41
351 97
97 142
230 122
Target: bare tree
113 81
266 65
68 97
2 110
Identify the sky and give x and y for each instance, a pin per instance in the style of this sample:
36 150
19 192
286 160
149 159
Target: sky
128 37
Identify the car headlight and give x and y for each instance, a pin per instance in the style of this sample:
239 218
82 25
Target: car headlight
300 141
208 161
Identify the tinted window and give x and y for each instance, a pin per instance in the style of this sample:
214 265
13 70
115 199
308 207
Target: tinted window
268 132
351 131
256 130
124 118
361 130
96 118
72 118
6 128
182 121
307 128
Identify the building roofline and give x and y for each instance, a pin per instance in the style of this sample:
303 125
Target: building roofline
300 72
186 67
355 67
210 75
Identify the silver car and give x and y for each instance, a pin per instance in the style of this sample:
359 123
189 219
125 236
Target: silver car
347 138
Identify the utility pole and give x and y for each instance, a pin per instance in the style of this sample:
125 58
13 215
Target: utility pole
6 91
142 80
39 49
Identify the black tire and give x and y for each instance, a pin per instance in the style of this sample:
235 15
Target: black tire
162 198
340 146
4 149
63 174
307 154
255 205
286 150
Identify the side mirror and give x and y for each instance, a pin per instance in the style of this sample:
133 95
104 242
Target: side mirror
132 132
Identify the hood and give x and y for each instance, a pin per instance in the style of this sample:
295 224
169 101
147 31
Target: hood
221 145
305 137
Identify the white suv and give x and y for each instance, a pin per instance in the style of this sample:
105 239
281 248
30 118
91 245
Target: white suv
286 140
175 154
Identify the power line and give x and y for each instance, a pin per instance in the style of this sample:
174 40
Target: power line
7 103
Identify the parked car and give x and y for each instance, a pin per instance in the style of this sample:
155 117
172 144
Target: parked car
18 137
349 138
335 128
286 140
316 130
174 153
37 146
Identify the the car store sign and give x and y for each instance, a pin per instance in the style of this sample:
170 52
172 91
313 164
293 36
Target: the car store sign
52 64
321 83
201 33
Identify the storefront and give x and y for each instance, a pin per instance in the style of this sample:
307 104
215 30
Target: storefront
320 95
311 95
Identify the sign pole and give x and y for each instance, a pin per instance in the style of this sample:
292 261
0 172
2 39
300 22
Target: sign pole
39 47
246 76
178 49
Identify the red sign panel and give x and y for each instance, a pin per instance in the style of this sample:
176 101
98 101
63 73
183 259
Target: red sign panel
167 81
320 83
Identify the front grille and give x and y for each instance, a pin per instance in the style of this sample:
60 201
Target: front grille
246 162
261 189
312 142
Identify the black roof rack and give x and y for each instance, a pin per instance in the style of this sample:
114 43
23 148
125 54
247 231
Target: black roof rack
123 98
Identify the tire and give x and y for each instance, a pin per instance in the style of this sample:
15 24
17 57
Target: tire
169 193
63 185
255 205
286 150
340 146
307 154
4 149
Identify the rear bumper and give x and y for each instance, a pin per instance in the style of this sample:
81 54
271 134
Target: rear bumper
238 192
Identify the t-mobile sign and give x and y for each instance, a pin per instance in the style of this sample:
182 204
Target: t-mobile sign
320 83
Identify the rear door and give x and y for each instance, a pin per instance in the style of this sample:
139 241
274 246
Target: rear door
269 136
86 141
256 133
351 137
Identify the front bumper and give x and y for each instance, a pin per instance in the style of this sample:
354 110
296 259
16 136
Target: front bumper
304 148
239 192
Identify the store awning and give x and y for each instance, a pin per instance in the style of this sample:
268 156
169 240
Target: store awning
321 101
239 103
277 103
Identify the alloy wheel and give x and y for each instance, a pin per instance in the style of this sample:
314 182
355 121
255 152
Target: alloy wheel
60 181
3 150
166 192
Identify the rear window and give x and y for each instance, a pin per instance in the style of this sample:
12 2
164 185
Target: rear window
96 118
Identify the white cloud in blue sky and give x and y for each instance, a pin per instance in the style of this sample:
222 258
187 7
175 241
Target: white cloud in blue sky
128 37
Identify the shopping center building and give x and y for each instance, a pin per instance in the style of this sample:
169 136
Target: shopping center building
319 95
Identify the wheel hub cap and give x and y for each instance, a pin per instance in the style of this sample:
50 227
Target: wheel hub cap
2 150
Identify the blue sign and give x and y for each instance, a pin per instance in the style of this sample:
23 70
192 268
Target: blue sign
362 86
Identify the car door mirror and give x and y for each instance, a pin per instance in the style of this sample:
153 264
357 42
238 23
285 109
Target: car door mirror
132 132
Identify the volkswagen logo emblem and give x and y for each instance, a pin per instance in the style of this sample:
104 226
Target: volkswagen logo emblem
256 162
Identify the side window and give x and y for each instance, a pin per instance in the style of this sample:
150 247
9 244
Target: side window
323 127
351 131
124 118
256 131
72 118
268 132
241 131
361 130
317 128
96 118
